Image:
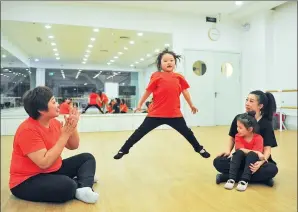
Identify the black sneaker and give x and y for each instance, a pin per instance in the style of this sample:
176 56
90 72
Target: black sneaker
119 155
218 179
222 178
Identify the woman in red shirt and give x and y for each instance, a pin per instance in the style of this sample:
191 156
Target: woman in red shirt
123 107
37 171
66 106
248 148
166 86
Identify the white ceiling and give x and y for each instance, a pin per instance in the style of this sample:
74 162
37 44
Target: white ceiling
71 44
208 8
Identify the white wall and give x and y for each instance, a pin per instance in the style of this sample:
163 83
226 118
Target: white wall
269 55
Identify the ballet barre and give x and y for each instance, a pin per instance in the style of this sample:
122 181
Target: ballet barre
281 124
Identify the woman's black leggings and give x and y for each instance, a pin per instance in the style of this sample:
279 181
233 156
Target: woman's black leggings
59 186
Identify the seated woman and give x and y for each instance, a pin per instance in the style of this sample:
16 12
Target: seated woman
262 171
123 107
66 106
37 171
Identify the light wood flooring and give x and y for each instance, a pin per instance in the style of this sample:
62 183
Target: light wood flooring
163 174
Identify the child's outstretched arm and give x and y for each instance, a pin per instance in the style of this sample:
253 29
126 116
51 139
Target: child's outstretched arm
142 100
188 99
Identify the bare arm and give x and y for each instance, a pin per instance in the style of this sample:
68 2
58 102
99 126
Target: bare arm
73 141
143 99
187 97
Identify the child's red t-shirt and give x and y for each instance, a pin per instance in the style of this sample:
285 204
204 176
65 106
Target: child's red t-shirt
31 137
255 144
166 88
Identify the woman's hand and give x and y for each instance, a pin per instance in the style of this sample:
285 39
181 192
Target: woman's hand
254 167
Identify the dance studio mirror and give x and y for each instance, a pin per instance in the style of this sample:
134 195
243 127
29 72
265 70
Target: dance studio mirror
76 60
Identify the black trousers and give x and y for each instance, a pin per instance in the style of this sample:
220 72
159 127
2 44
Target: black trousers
240 160
151 123
88 106
266 172
59 186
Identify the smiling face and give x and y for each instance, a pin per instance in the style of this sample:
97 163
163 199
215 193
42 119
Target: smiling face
242 130
53 109
168 62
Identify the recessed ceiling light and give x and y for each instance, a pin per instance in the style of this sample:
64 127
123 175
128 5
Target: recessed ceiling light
167 45
131 42
125 48
36 60
55 50
90 46
51 36
238 3
57 58
109 63
86 55
88 51
84 59
137 62
3 55
56 54
84 62
132 65
112 61
140 34
92 39
95 30
120 53
27 69
142 59
116 57
156 50
48 26
148 55
53 44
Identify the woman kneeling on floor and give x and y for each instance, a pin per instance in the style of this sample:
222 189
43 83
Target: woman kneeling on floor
37 171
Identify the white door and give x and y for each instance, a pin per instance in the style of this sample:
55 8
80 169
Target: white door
227 87
201 88
217 96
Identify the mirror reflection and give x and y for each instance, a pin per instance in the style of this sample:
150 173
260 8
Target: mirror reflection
99 70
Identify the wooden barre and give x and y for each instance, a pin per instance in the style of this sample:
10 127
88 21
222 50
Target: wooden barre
288 90
289 107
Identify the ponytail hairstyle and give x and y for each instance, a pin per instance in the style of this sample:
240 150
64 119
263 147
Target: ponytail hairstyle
248 120
161 54
268 101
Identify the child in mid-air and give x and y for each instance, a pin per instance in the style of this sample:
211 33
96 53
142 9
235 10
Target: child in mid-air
248 150
166 86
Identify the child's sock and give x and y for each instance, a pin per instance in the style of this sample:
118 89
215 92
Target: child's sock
86 195
242 185
230 184
204 153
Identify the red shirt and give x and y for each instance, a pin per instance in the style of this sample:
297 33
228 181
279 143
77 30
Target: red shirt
31 137
123 108
64 108
166 88
255 144
92 98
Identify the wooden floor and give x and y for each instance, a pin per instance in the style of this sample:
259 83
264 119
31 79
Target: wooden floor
163 174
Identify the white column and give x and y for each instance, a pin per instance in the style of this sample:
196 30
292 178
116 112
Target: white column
40 77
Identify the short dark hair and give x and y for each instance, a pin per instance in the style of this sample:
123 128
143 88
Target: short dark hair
36 100
161 54
248 120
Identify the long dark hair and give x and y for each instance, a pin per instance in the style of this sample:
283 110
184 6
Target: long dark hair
268 101
161 54
248 120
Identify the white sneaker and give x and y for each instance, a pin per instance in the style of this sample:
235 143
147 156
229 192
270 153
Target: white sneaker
242 185
230 184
